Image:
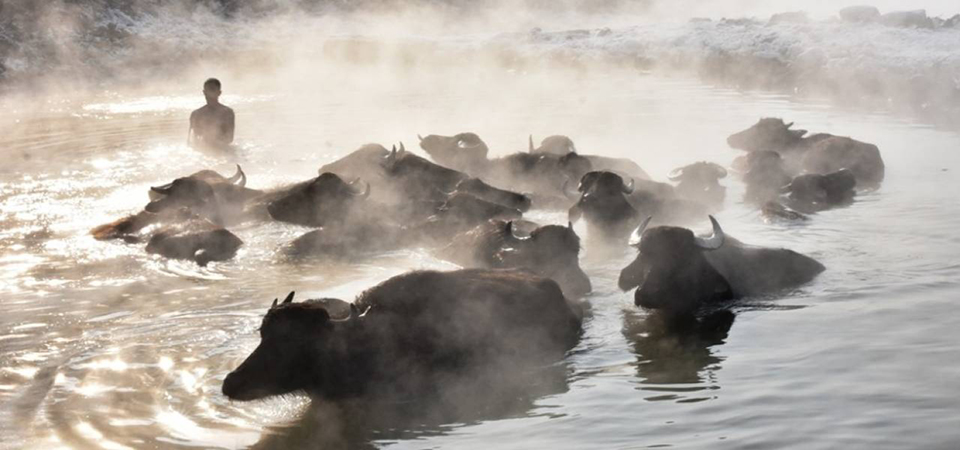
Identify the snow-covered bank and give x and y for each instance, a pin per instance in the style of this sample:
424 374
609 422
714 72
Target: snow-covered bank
862 62
858 56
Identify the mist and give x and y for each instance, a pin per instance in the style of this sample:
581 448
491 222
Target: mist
106 346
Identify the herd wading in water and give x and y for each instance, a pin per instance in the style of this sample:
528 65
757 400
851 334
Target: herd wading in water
518 302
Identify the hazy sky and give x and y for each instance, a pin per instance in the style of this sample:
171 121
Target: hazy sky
817 8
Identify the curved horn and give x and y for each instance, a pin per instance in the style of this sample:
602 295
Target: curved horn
419 137
238 178
713 242
675 174
402 148
511 232
164 190
628 188
274 305
531 144
289 298
788 125
643 226
362 194
571 194
721 171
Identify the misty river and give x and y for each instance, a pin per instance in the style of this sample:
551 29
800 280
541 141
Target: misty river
105 346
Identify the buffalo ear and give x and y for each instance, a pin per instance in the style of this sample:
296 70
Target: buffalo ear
289 298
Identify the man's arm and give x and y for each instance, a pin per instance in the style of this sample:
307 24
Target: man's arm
190 130
229 125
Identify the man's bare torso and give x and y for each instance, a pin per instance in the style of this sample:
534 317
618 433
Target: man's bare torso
212 125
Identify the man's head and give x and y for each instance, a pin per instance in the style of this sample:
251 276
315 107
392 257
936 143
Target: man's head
211 89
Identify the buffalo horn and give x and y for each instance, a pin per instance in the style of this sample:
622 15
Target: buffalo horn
628 188
239 178
511 232
643 226
289 298
571 194
675 174
419 137
713 242
402 149
362 194
274 305
531 143
721 172
788 125
163 190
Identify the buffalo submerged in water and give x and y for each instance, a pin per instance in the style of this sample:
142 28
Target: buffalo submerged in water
678 273
820 153
551 251
407 335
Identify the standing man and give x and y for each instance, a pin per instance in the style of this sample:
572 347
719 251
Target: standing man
211 125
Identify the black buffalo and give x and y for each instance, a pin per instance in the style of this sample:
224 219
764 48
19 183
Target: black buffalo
400 178
415 331
614 208
678 273
562 145
371 233
551 251
700 182
813 192
820 153
324 200
206 193
201 244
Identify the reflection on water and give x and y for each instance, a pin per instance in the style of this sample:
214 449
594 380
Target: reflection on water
372 422
105 346
675 356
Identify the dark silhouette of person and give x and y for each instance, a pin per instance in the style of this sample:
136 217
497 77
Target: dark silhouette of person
212 125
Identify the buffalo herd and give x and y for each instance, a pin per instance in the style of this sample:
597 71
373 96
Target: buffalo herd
518 298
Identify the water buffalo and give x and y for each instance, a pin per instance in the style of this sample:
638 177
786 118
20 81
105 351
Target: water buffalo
371 233
542 175
819 153
562 145
765 176
398 176
206 193
211 177
772 134
201 244
700 182
551 251
812 192
465 152
678 272
415 330
318 202
613 208
834 153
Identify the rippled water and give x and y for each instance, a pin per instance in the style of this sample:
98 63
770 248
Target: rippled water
104 346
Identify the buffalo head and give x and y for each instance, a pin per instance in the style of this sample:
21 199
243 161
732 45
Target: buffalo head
322 200
671 272
556 145
462 151
814 192
700 181
551 251
767 134
603 203
301 347
200 246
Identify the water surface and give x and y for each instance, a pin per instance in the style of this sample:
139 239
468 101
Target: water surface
104 346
